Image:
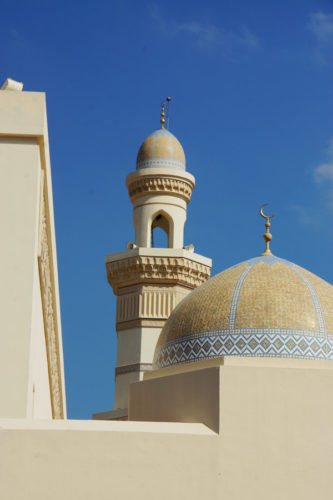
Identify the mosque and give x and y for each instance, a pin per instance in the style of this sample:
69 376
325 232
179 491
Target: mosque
223 384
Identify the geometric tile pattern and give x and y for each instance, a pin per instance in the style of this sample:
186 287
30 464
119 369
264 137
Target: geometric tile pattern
266 306
323 294
235 296
315 299
259 343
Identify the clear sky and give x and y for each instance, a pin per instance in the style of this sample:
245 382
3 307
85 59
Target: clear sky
251 83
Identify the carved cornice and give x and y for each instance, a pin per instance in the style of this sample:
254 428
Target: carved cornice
160 184
163 270
49 311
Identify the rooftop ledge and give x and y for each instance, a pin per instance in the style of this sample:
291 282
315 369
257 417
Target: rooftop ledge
106 426
159 252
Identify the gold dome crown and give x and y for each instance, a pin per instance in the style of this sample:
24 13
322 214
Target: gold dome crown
263 307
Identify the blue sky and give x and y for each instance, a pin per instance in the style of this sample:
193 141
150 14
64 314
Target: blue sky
251 86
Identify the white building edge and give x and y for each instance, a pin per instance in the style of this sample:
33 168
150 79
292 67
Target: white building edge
255 425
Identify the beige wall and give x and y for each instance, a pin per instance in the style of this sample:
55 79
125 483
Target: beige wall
22 114
275 441
31 360
187 397
122 385
106 460
39 401
19 209
275 423
276 431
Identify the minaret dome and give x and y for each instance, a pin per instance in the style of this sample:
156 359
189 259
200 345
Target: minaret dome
161 149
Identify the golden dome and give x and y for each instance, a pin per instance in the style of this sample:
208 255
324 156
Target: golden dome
265 306
161 149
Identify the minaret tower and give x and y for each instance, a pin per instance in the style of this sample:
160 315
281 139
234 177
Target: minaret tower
149 282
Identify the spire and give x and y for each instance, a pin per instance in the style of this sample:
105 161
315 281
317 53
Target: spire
162 120
168 111
267 236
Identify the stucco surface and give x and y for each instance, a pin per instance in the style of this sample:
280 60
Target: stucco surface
23 113
19 207
143 462
275 442
31 359
276 432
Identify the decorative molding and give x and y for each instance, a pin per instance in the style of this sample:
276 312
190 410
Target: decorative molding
155 303
259 342
158 184
160 162
49 309
157 270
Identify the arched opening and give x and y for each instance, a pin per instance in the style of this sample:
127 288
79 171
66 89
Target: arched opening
160 232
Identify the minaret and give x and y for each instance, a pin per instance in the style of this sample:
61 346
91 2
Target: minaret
149 282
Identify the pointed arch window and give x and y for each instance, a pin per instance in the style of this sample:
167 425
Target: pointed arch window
160 231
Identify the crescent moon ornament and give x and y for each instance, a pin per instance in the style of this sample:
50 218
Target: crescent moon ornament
267 236
262 213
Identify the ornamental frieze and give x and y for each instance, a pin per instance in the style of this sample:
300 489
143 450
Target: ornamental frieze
147 269
160 185
49 313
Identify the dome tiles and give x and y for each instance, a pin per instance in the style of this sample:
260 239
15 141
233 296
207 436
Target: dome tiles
265 306
161 149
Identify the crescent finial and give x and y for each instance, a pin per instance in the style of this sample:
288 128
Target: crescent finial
262 213
267 236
